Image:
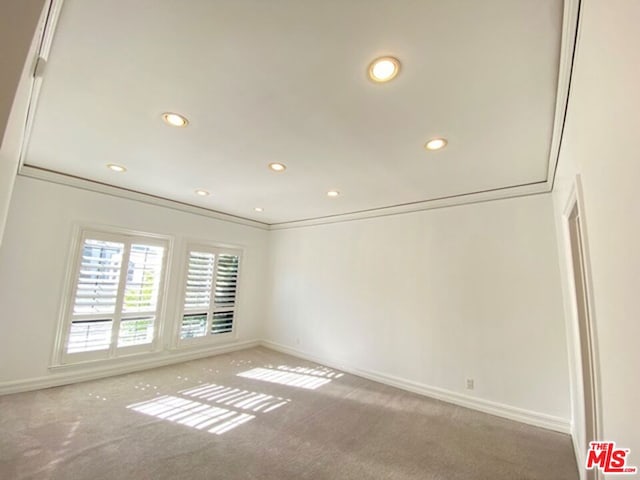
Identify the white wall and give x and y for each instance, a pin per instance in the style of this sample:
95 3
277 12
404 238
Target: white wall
36 250
601 144
432 297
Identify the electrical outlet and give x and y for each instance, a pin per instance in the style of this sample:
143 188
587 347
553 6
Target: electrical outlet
469 383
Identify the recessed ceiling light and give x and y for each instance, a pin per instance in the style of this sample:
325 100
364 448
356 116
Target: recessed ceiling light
277 167
201 192
175 119
259 209
116 168
436 144
384 69
333 193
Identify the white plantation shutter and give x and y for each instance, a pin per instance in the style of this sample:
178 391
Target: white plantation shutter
96 296
197 297
116 295
225 297
199 280
141 293
136 331
89 335
226 279
222 322
193 325
210 292
143 278
97 285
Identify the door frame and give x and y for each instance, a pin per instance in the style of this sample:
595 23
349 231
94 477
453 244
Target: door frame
575 201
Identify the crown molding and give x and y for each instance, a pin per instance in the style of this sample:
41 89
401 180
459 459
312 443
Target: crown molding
450 201
84 184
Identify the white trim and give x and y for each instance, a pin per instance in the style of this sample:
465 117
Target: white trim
567 48
67 289
84 184
575 198
45 36
529 417
579 454
66 374
452 201
71 271
207 338
127 238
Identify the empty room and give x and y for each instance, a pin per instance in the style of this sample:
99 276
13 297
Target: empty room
305 239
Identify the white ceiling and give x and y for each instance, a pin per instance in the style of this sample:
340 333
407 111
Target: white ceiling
285 81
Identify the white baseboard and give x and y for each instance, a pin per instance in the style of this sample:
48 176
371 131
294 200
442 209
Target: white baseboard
529 417
71 374
81 373
577 451
581 458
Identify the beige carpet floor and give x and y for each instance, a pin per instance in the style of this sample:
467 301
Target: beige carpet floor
258 414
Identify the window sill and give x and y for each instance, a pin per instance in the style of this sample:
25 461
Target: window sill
204 342
140 361
115 361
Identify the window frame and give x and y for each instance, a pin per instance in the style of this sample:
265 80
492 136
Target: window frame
127 237
208 338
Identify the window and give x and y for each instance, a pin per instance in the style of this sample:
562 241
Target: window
116 297
211 284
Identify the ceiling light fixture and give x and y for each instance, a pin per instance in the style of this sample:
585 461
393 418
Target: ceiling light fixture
436 144
384 69
201 192
277 167
116 168
333 193
259 209
175 119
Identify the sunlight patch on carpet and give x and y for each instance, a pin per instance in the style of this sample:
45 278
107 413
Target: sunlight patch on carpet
235 397
316 371
192 414
291 379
